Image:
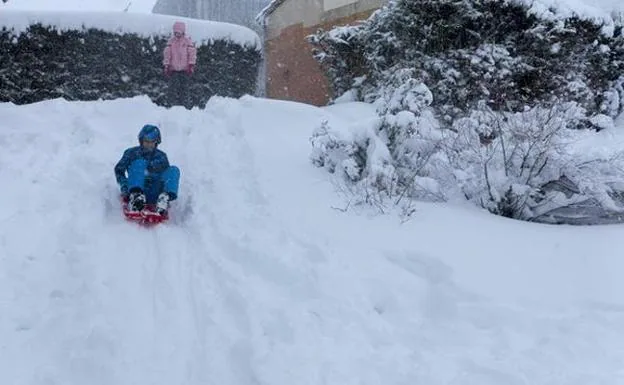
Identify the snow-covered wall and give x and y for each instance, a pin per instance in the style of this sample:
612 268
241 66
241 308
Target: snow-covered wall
144 25
89 56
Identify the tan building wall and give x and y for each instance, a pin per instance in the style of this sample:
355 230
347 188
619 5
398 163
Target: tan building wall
292 72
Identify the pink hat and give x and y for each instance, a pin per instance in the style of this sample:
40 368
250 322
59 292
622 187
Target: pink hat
179 26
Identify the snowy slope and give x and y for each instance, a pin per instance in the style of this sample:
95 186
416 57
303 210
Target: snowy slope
259 279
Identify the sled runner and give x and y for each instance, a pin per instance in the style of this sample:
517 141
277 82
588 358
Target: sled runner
146 217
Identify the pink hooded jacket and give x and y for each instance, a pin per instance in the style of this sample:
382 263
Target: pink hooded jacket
180 51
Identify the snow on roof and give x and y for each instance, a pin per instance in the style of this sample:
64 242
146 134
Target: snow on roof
124 22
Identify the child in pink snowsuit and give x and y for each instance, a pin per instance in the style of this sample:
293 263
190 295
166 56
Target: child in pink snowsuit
179 59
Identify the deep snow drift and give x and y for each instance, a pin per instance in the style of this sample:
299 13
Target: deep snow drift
260 278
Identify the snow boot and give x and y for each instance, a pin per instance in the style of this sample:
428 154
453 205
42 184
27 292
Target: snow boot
162 204
136 201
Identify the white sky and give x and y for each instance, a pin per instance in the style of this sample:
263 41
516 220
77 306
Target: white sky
141 6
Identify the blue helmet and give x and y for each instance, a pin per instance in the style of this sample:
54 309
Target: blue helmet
149 132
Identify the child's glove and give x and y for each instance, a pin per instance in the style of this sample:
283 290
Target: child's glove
124 191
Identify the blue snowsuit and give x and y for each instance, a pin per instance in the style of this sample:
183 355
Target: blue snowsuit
148 171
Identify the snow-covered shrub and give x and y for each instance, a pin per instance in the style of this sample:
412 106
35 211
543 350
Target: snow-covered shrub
514 164
396 157
358 154
88 64
520 165
361 161
410 132
337 152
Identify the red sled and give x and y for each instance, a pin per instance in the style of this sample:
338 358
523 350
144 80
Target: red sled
146 217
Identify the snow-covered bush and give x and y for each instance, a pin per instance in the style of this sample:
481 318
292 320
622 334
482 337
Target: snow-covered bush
43 62
484 100
501 161
337 152
359 157
410 133
397 156
521 165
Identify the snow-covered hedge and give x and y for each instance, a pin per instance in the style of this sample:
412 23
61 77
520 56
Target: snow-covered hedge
89 56
500 52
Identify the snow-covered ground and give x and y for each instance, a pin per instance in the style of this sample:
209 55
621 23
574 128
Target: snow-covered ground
260 278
